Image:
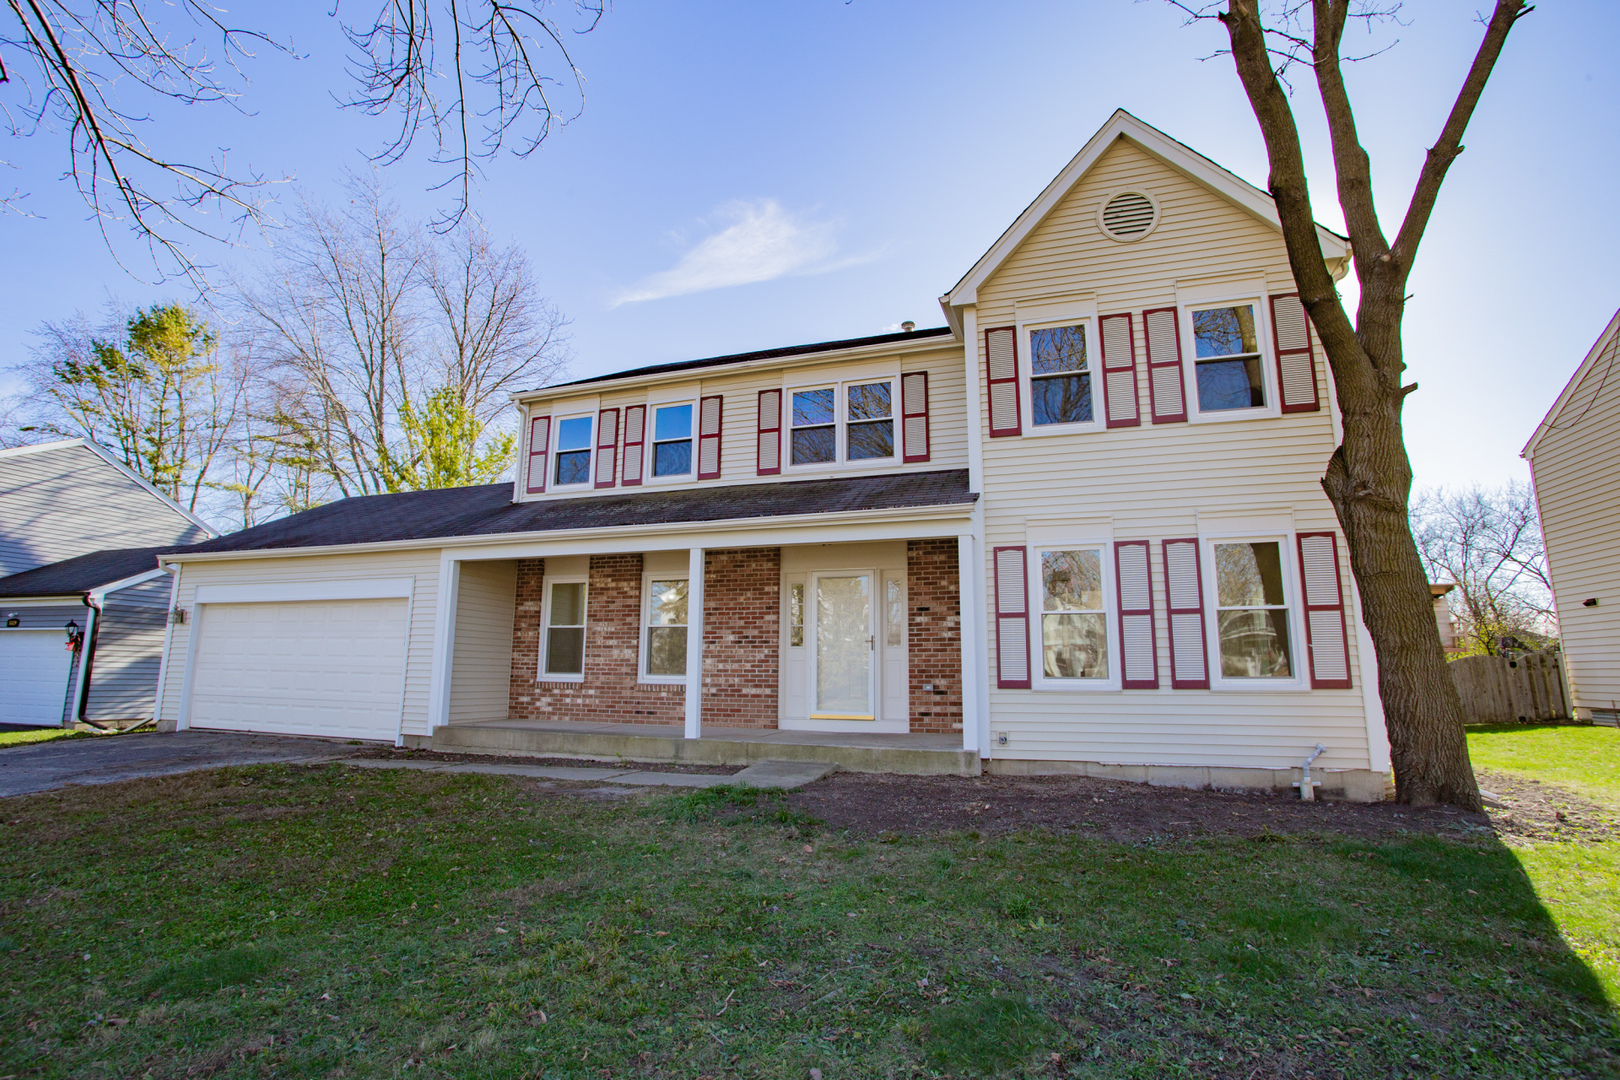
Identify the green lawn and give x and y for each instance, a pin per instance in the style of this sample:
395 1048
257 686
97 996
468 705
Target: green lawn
1583 758
38 735
360 923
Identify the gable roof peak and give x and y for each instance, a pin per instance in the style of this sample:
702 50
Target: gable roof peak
1177 155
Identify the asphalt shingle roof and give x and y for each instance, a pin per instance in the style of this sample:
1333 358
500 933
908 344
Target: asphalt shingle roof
488 510
81 573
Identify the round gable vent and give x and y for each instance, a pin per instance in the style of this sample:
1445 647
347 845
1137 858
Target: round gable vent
1128 215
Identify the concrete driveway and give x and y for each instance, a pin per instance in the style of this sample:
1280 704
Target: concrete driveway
110 758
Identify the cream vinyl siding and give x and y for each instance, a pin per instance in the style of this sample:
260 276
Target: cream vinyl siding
947 415
1575 465
423 566
1153 482
481 666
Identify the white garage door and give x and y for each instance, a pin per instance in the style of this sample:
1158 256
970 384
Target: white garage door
34 668
330 667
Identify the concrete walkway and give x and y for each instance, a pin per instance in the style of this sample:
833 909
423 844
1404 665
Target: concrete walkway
108 759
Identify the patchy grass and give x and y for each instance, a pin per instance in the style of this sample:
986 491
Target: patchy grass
304 922
39 735
1581 757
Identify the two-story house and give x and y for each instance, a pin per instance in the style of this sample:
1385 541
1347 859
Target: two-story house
1078 528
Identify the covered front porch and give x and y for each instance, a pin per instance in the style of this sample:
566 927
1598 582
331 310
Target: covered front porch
831 640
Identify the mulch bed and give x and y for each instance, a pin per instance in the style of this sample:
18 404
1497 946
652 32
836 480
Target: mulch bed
875 805
1536 810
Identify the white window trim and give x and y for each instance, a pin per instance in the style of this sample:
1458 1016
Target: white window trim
1262 330
557 452
649 445
803 582
642 674
1037 609
545 627
841 461
1296 619
1027 376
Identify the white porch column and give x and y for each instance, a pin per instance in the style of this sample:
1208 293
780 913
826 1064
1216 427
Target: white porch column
444 641
694 644
975 719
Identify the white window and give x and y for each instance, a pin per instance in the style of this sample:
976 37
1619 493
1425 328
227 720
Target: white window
672 440
850 422
1252 618
1074 591
663 633
1060 374
573 451
1229 371
562 630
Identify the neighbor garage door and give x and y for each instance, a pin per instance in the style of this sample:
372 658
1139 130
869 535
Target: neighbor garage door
329 667
34 667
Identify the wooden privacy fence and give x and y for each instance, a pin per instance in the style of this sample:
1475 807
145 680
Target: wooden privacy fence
1506 689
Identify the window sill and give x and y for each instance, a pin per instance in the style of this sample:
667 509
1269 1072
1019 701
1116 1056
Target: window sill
1226 416
1078 427
559 680
650 682
1259 686
1074 686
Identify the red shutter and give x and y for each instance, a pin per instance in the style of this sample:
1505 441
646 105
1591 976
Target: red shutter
1296 366
539 443
1012 618
708 463
914 416
607 447
1001 371
1324 611
1189 669
768 454
1164 365
635 434
1119 371
1138 666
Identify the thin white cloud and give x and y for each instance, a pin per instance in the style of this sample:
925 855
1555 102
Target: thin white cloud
760 241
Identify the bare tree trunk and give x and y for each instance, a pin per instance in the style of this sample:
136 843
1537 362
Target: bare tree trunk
1369 478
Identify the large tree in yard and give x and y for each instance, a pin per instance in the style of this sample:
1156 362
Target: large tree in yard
1368 477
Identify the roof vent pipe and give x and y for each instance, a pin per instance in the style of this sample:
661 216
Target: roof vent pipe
908 326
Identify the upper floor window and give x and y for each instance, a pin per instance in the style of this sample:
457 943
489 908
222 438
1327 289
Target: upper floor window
871 421
672 440
1226 358
574 451
1251 604
1060 375
861 421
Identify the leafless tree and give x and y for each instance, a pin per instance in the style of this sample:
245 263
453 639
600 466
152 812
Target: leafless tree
1369 477
382 334
1488 541
102 75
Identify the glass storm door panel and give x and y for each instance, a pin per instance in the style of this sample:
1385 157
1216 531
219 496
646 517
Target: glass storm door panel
844 645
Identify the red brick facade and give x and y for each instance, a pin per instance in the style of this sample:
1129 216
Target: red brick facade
740 646
934 635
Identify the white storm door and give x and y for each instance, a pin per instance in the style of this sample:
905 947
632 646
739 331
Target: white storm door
34 666
844 645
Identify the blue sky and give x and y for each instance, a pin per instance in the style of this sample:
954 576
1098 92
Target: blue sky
749 175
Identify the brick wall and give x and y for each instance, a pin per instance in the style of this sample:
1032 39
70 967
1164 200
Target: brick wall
935 635
741 636
742 590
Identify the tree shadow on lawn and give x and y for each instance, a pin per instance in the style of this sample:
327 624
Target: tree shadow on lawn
304 920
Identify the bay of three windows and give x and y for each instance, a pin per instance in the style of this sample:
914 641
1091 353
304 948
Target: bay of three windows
1227 372
1252 612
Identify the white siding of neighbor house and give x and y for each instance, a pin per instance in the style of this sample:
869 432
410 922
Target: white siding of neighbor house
481 665
421 566
129 646
1155 482
67 500
947 396
1576 466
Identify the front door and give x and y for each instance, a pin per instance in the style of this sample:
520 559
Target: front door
843 645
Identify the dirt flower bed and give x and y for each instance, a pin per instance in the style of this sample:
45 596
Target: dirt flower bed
549 762
1537 810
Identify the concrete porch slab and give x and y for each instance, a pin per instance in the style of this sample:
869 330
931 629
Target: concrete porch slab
917 755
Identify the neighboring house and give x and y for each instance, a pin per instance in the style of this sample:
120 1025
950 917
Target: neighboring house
79 535
1574 460
1079 529
1444 621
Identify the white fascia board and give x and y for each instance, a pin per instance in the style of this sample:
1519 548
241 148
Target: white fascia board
570 390
124 583
43 601
911 523
1177 155
1605 342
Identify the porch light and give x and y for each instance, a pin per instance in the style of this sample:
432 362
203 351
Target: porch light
72 631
